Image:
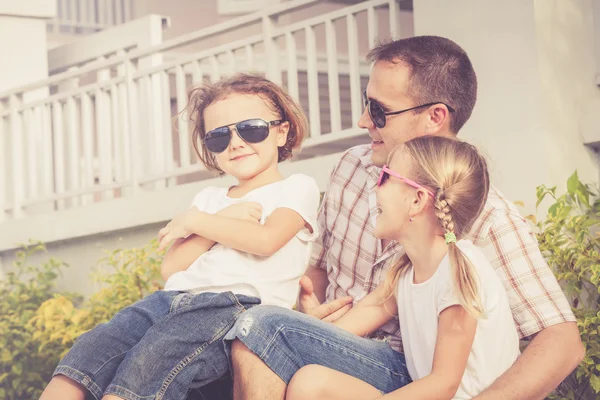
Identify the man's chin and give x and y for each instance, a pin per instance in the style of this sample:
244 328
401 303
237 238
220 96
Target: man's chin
378 158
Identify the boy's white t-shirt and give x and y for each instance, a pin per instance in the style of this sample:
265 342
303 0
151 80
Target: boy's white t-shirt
273 279
496 344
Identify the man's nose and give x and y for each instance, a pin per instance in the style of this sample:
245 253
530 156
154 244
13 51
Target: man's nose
365 120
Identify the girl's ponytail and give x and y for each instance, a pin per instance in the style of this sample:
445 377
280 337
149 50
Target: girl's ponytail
465 277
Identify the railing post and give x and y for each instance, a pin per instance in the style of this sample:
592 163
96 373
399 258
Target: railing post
354 64
394 18
135 162
16 133
103 132
273 69
312 74
4 131
335 112
292 66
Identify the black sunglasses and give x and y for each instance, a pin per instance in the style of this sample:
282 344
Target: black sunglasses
377 114
251 131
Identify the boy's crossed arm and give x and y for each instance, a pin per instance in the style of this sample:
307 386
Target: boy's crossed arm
185 251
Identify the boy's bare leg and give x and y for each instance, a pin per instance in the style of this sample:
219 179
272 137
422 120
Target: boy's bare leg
63 388
248 370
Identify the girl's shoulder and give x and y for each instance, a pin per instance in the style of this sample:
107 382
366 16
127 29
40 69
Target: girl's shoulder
469 249
478 259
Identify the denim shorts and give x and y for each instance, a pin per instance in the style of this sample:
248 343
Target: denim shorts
156 347
287 340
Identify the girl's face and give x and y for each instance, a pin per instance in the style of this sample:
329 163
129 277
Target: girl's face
396 200
241 159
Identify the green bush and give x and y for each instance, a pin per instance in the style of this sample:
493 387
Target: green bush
37 327
569 237
24 369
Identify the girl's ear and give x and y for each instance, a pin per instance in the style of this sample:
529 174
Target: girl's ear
282 133
419 201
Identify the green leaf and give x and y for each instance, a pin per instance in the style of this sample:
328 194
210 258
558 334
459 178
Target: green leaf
552 209
573 183
595 383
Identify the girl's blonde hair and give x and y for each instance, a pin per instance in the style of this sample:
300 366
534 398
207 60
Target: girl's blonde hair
457 173
281 103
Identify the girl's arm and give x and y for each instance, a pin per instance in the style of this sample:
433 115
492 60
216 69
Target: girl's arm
369 314
456 331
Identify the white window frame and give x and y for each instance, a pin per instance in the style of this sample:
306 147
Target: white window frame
235 7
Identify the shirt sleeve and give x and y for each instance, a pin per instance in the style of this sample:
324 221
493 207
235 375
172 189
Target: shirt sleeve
318 258
445 291
535 297
301 194
200 199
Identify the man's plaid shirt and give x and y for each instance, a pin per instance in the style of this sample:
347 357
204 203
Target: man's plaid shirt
356 263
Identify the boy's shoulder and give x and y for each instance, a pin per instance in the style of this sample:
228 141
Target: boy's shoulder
208 192
301 181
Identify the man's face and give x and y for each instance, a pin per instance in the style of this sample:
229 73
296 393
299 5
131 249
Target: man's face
388 87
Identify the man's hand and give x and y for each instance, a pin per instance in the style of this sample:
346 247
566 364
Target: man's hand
249 211
309 304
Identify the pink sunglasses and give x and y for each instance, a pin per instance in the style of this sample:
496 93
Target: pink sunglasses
386 172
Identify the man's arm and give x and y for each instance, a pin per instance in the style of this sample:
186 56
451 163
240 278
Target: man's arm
547 360
537 302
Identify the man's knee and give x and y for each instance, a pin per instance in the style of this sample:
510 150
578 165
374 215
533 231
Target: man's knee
310 382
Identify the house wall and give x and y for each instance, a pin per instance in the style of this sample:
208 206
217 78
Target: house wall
535 67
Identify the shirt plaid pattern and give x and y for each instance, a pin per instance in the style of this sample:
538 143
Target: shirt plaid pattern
356 262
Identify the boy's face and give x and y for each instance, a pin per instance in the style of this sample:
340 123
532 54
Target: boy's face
388 87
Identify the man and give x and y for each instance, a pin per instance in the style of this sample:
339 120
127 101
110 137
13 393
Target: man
418 86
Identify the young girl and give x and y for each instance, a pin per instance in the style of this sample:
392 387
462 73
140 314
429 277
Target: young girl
457 328
243 245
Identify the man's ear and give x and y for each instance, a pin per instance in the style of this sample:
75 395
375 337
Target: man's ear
437 117
282 133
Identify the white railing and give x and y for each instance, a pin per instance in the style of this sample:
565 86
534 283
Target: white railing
89 16
115 135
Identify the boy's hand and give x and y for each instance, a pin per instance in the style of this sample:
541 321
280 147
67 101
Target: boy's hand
176 229
249 211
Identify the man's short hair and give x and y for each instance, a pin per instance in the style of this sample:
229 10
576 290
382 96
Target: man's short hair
440 70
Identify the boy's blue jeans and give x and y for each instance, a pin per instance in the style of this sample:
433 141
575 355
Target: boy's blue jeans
154 348
287 340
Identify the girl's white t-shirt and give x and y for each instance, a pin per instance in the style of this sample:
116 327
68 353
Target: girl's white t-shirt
273 279
496 344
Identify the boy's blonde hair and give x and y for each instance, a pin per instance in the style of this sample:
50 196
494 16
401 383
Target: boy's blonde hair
457 173
282 104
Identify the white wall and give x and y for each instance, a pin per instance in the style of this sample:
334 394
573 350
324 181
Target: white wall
534 61
23 41
82 256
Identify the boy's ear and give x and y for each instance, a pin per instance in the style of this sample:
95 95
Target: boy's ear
282 133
